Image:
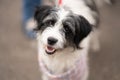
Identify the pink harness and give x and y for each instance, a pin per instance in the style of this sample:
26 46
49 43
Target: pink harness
75 73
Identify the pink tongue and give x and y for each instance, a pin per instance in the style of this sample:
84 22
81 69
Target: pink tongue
50 48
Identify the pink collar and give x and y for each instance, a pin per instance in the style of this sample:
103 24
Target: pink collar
74 73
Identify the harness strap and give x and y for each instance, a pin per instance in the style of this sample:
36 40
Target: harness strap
75 73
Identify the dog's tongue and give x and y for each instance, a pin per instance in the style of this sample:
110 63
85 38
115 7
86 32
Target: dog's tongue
50 49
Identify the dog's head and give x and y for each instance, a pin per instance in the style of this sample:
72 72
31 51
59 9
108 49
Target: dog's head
60 28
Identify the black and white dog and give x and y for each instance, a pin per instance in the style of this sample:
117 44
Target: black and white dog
64 36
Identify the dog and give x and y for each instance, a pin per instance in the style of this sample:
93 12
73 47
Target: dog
64 35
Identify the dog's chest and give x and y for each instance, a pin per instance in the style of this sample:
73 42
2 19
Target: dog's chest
78 72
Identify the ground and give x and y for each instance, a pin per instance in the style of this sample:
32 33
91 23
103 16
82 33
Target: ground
18 54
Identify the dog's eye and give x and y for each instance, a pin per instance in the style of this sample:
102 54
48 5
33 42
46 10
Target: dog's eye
48 23
67 28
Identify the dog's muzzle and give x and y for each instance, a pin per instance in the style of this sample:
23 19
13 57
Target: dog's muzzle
49 48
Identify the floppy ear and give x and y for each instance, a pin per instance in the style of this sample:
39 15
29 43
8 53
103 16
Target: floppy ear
41 12
83 28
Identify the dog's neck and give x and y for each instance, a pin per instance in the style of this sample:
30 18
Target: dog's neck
63 61
66 67
80 67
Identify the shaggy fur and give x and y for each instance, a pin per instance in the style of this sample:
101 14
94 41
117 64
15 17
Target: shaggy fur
64 35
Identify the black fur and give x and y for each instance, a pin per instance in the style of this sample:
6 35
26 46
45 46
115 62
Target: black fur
69 29
76 29
40 13
83 28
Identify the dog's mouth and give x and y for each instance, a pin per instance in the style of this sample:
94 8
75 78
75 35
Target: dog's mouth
50 50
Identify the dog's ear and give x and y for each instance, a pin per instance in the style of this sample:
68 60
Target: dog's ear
41 12
83 28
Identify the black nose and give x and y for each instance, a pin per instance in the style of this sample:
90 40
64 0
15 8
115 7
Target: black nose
52 41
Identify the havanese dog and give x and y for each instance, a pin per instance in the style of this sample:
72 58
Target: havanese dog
64 35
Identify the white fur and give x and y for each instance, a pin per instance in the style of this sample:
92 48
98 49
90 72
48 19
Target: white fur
53 32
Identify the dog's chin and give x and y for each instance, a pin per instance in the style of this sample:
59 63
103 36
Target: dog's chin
50 50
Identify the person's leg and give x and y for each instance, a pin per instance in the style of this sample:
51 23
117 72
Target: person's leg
28 12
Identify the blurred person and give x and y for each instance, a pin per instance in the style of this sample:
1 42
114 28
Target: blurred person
28 8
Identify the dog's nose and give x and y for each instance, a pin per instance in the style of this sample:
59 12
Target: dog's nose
52 41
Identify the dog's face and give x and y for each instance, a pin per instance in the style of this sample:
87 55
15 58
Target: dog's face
60 28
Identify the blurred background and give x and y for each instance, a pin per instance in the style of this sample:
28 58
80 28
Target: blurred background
18 54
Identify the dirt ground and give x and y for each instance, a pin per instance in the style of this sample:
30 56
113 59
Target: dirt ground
18 55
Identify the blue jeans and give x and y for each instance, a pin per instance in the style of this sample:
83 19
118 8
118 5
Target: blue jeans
28 9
